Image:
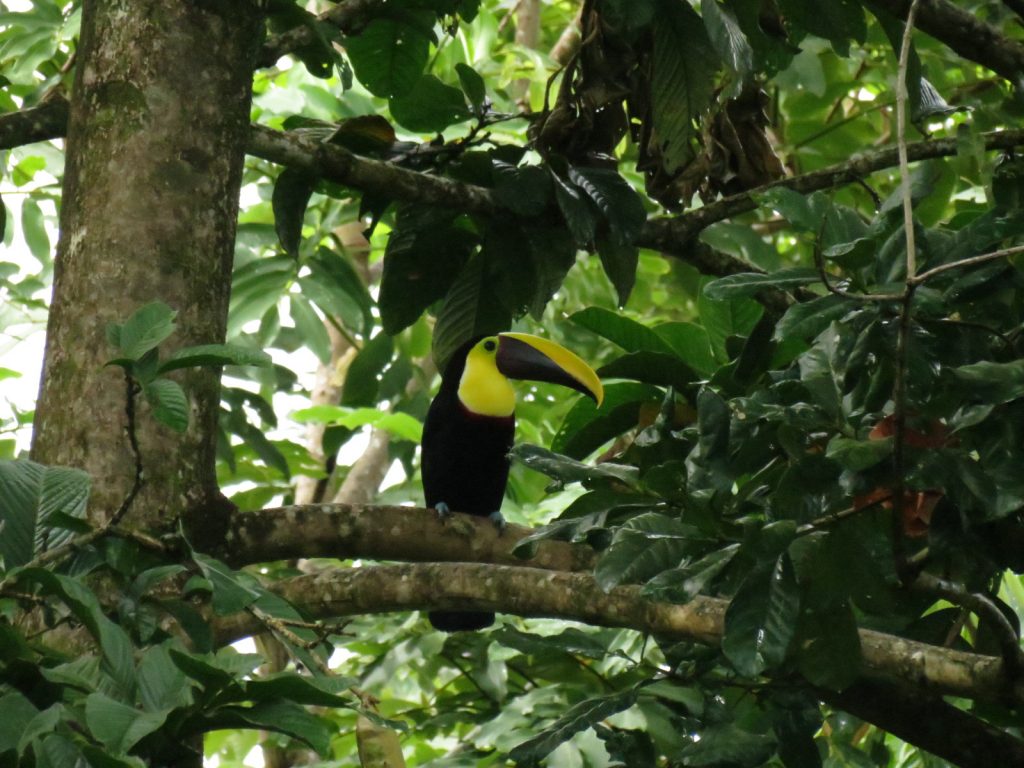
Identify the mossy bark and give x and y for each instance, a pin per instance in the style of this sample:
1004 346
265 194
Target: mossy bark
155 151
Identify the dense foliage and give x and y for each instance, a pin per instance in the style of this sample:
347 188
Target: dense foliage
800 415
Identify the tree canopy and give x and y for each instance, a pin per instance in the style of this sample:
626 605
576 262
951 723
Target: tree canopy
787 233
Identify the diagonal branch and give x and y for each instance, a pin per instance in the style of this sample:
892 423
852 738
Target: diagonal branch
966 34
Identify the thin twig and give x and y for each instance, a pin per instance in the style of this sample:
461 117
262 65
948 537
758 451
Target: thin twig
132 389
899 394
819 262
968 262
983 607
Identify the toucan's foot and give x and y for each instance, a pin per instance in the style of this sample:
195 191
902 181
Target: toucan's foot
444 513
499 521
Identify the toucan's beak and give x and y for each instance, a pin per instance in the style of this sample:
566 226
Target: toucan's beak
524 356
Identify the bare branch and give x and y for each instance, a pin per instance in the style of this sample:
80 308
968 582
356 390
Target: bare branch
540 593
43 123
387 533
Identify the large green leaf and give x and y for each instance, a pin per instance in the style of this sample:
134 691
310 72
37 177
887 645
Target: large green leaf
291 195
281 716
30 497
587 427
628 334
682 80
650 368
990 382
16 712
727 37
169 403
750 283
362 380
118 726
471 308
426 251
430 106
722 319
144 330
760 621
389 55
727 744
583 715
643 547
681 585
829 649
566 470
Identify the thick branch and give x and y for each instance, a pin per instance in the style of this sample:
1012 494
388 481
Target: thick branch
930 723
544 593
966 34
385 533
47 121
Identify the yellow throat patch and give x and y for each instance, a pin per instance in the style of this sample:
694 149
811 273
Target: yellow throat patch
483 389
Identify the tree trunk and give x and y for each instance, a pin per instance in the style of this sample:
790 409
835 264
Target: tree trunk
155 150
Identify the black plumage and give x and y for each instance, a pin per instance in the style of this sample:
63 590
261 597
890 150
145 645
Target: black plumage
465 465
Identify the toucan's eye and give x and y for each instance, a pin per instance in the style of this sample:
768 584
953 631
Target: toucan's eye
490 345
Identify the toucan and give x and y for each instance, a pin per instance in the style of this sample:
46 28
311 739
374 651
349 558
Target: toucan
470 427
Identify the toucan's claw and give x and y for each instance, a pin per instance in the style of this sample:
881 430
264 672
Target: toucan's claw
499 521
444 513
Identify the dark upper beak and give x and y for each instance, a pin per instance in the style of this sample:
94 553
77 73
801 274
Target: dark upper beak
524 356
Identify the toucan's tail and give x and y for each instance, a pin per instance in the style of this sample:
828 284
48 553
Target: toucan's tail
460 621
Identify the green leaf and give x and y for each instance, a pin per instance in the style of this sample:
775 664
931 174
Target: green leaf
472 86
280 717
33 229
838 21
232 591
430 106
643 547
145 329
990 382
292 191
362 380
681 585
114 643
751 283
162 684
118 726
342 291
31 496
650 368
587 427
389 55
808 319
425 253
796 208
628 334
682 81
570 641
566 470
727 744
619 262
858 455
829 652
615 198
581 716
691 344
722 319
311 691
401 425
310 327
16 712
523 189
761 619
169 403
727 37
213 355
579 215
470 309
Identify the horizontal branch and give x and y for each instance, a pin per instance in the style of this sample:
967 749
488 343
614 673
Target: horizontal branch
673 236
384 533
665 233
534 592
